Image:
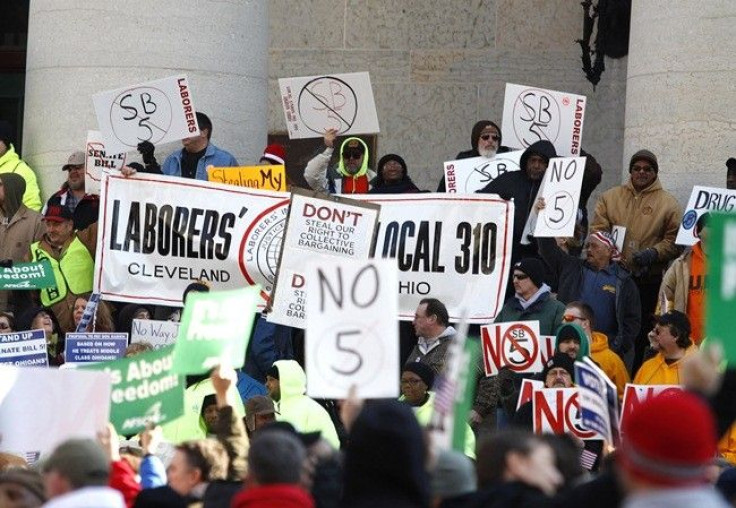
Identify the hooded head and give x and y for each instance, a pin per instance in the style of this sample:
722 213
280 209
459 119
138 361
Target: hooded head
486 147
572 340
11 194
291 381
643 169
394 173
543 149
478 129
353 157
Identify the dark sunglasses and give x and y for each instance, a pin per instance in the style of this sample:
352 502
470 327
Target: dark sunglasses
520 276
486 137
352 154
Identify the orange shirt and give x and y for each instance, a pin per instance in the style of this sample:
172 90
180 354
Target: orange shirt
656 371
696 294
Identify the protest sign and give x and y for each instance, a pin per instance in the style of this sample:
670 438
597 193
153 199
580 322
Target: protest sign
535 114
314 104
702 200
720 319
455 248
528 387
634 395
94 347
98 160
215 329
24 349
38 275
158 234
145 389
619 236
515 345
454 390
326 228
40 408
157 333
158 111
560 189
598 400
557 411
270 177
547 343
348 339
466 176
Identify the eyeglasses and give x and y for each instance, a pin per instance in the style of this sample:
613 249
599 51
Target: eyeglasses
644 169
352 155
494 137
411 382
569 318
520 276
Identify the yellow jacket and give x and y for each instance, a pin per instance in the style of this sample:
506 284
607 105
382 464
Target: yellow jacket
651 218
609 362
656 371
727 445
424 415
11 163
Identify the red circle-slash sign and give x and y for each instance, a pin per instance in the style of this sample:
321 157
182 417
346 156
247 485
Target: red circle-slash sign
519 339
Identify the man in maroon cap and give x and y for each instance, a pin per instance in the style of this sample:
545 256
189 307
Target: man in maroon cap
72 257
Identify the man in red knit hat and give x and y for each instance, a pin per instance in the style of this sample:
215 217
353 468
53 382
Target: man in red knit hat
668 444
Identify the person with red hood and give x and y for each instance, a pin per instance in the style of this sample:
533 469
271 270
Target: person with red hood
276 462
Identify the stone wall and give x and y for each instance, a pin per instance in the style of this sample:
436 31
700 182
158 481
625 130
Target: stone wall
438 66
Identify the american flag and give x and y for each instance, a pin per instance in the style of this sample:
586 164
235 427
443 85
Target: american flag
587 459
444 397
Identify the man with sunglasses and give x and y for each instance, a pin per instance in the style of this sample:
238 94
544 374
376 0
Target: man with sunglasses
651 217
352 175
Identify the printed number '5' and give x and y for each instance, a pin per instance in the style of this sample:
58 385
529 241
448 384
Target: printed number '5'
349 351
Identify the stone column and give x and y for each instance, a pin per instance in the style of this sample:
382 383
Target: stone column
77 48
680 90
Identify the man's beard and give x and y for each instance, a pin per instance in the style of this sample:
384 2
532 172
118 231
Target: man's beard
76 185
487 152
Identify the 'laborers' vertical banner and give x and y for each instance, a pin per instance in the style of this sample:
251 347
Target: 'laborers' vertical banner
327 228
156 111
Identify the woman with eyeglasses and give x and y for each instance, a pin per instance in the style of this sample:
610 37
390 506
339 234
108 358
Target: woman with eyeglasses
7 322
417 380
393 177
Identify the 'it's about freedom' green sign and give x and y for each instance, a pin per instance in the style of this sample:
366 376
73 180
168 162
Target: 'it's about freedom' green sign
27 276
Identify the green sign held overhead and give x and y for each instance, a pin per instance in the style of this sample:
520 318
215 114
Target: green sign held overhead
145 389
720 297
215 328
37 275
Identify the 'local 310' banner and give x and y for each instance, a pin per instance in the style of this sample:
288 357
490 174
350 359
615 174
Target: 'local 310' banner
158 234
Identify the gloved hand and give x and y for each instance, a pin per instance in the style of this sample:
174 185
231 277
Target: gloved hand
645 257
146 149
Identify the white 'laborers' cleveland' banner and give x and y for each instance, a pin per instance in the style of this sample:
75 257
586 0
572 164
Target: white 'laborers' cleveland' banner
158 234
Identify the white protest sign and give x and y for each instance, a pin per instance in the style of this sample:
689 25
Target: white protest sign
53 405
97 160
557 411
456 248
598 400
561 192
26 349
465 176
158 111
535 114
349 340
619 237
528 387
547 343
635 395
515 345
703 199
323 228
314 104
157 333
158 234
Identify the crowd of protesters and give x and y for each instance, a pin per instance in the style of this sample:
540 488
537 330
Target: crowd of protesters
256 439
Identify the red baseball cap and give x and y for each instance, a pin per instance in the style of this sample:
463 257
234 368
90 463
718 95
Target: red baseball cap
57 213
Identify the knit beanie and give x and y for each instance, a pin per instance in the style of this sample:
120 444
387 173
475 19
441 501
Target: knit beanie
453 475
391 157
81 461
273 372
424 371
575 332
670 439
560 361
533 268
14 187
645 155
